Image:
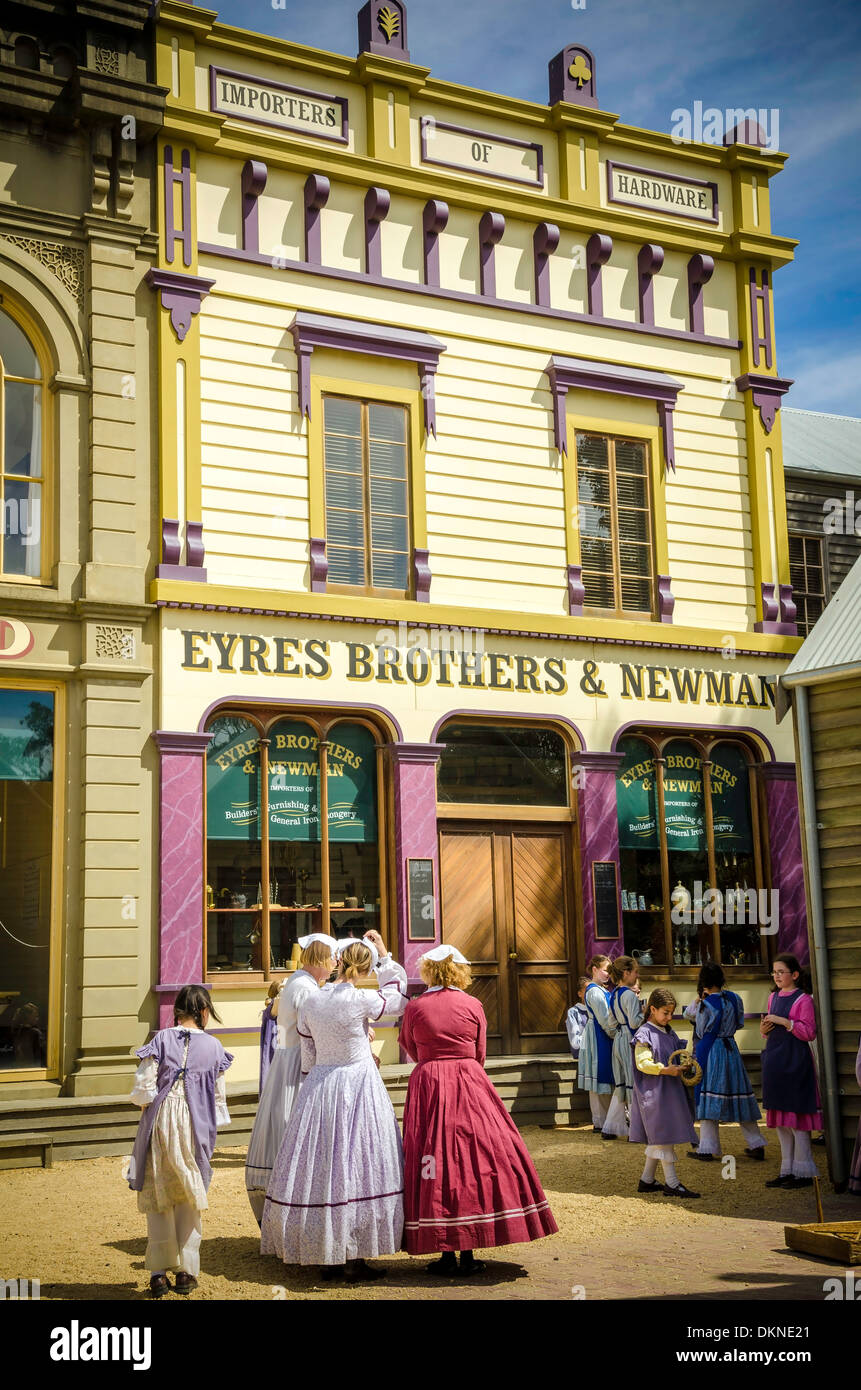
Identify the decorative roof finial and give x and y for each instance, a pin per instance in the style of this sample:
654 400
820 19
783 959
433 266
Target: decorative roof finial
383 29
572 77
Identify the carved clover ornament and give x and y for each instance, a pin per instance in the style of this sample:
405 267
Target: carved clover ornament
580 70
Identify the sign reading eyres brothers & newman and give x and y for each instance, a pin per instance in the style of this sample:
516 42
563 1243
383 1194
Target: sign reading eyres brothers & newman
265 102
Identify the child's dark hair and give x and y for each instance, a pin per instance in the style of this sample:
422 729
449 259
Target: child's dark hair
711 977
793 964
620 966
658 999
191 1002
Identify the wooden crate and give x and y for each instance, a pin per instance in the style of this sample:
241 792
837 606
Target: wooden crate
830 1240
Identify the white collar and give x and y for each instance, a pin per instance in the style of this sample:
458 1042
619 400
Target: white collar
434 989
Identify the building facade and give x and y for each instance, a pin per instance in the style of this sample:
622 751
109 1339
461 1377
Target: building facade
474 579
78 112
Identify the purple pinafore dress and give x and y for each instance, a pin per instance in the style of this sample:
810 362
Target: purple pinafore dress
662 1108
268 1039
788 1073
204 1064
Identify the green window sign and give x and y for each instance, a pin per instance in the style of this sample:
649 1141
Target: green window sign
352 761
731 800
684 803
636 797
233 781
294 781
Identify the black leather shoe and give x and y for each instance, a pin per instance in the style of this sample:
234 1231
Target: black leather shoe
801 1182
158 1286
184 1283
360 1273
787 1180
649 1186
680 1191
446 1264
703 1158
758 1154
331 1274
608 1136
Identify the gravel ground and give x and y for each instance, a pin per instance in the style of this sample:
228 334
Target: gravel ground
76 1228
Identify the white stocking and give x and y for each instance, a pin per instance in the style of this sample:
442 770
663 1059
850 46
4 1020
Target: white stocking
649 1170
787 1150
709 1137
803 1165
671 1177
615 1122
750 1130
599 1105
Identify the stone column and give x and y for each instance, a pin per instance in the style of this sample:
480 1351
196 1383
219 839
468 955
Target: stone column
413 768
182 791
599 835
784 848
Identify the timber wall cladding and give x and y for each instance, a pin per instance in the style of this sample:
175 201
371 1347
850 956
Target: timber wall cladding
805 512
835 718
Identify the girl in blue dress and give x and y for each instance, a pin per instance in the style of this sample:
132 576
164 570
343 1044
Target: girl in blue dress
627 1010
595 1064
725 1094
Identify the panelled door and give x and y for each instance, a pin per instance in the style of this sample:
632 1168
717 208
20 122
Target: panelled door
506 903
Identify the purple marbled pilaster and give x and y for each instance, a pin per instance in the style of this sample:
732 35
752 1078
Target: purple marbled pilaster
181 859
599 837
413 768
787 865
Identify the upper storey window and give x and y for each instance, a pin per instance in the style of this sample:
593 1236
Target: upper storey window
367 490
21 464
614 508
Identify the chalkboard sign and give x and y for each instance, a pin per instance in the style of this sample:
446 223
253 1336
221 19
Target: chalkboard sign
606 890
420 891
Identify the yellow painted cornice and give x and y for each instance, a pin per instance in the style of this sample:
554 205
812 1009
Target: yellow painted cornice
753 158
189 18
747 246
486 103
566 116
382 612
373 67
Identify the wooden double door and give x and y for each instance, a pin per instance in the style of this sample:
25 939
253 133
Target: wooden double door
506 904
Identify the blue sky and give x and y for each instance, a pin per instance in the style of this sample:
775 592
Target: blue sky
800 60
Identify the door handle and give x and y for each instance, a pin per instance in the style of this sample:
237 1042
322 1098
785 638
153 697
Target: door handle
512 955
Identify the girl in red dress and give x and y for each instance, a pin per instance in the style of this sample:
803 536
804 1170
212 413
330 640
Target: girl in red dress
468 1179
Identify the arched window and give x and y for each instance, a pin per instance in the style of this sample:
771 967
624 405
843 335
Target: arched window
691 867
293 841
21 454
27 53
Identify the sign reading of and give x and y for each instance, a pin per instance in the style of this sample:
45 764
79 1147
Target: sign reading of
498 156
656 192
265 102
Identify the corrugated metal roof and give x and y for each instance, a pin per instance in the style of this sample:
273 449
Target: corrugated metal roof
817 443
834 645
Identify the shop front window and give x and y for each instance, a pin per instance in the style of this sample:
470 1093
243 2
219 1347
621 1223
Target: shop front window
690 868
26 835
293 841
502 764
21 461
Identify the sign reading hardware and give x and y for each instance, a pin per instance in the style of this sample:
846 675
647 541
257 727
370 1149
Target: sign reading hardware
272 103
656 192
497 156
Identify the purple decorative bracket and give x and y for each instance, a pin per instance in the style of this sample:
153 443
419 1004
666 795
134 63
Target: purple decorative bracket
317 190
171 552
760 295
378 201
567 372
766 393
421 575
700 270
254 174
491 229
319 565
383 29
576 591
649 262
172 176
434 221
181 294
544 242
572 77
599 249
666 599
373 339
778 613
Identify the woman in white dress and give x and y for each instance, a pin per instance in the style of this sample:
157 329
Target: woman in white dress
284 1076
336 1192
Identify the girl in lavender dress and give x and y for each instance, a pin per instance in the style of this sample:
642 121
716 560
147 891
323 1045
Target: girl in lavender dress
180 1086
662 1109
336 1195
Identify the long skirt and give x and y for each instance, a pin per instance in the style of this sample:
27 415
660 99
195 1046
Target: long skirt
277 1099
725 1093
595 1065
336 1191
469 1181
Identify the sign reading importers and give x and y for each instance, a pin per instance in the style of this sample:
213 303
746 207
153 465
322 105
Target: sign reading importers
653 191
264 102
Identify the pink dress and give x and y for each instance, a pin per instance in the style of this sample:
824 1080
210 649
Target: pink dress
804 1018
468 1178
